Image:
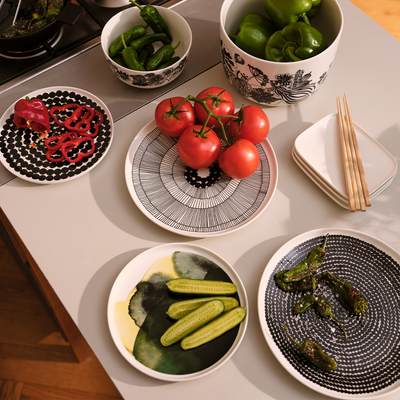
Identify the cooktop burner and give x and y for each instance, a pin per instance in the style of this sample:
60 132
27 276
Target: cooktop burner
40 49
87 27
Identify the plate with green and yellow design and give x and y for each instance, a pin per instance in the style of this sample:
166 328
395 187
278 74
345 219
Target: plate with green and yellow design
138 304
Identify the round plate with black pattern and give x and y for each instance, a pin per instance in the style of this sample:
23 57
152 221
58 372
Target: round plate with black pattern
368 361
23 152
195 203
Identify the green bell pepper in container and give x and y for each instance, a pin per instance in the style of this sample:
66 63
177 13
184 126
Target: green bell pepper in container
295 42
285 12
253 34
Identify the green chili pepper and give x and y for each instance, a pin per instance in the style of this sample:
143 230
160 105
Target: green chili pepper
349 297
119 60
39 13
145 53
162 55
307 283
313 352
166 64
53 9
143 41
253 34
307 266
153 18
285 12
295 42
322 305
133 33
131 57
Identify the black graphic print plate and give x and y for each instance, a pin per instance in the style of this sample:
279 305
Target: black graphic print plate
195 203
368 361
23 152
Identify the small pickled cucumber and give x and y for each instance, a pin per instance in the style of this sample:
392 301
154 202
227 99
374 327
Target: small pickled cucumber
201 287
214 329
192 321
181 308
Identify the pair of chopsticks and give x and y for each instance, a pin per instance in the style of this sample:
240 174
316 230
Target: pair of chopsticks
356 183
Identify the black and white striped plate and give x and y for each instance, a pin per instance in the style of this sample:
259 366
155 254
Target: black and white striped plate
195 203
23 153
368 361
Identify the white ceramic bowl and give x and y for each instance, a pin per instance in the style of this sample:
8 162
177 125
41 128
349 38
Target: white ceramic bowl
126 19
277 83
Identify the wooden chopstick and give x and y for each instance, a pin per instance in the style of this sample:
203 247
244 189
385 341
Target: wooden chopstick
356 184
346 157
361 172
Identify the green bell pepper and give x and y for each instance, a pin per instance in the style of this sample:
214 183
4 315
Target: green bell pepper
285 12
295 42
253 34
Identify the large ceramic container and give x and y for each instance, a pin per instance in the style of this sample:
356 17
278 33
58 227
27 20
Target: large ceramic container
277 83
125 20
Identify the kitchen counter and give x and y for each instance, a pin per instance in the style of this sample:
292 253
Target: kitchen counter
83 233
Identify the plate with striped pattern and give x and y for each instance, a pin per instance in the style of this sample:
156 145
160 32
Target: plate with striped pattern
189 202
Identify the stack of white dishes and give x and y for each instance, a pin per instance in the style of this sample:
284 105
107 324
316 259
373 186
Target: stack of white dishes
317 151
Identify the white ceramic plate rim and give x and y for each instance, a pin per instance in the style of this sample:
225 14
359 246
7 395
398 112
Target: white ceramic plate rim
281 252
34 93
134 272
273 166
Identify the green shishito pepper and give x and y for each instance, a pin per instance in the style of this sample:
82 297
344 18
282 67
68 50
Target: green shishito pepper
253 34
145 53
153 18
313 352
143 41
131 57
162 55
323 307
307 283
117 46
349 297
285 12
295 42
307 266
166 64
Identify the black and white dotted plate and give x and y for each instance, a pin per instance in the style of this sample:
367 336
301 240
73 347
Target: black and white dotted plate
195 203
369 360
24 155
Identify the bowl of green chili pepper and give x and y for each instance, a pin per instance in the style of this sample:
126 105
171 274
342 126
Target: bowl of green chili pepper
146 46
279 52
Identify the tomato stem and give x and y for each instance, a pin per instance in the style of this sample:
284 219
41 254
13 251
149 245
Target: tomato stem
216 100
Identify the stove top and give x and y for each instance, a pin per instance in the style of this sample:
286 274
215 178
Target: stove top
68 40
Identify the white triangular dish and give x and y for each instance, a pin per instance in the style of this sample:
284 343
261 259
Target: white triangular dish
344 198
319 149
327 189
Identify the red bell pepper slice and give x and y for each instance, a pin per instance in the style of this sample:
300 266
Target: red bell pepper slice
80 119
95 129
71 144
60 109
32 114
59 139
49 155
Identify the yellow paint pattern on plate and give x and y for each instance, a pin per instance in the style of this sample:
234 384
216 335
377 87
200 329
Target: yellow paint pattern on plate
126 326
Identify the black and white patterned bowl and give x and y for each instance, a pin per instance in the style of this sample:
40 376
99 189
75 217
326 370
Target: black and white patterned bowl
277 83
125 20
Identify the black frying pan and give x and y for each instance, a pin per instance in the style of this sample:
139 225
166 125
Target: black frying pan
69 15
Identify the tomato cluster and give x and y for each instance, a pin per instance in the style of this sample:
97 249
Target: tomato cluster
198 144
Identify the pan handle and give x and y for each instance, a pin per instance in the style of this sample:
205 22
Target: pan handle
70 13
